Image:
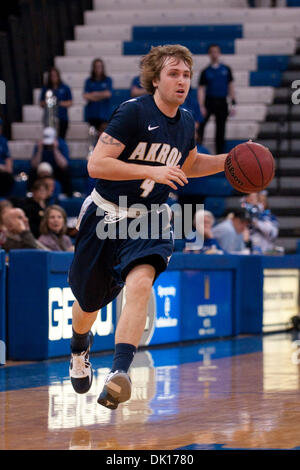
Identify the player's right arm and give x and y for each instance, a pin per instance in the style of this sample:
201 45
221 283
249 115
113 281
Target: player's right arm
104 164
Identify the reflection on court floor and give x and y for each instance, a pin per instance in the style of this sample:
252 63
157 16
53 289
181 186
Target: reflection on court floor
226 394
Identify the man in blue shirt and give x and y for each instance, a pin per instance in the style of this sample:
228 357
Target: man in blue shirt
230 232
6 166
147 148
215 85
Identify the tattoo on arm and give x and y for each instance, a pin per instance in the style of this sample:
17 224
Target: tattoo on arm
107 139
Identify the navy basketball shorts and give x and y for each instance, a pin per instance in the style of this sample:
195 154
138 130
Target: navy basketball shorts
101 263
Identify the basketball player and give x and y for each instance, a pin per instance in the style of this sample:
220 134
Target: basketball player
147 148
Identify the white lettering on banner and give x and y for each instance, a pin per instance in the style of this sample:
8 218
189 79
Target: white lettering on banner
2 352
162 322
166 320
60 316
166 291
207 310
67 312
106 327
55 331
204 331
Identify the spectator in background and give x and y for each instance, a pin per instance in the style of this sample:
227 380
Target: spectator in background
264 226
45 173
53 230
6 166
64 99
34 206
56 153
17 231
204 241
230 233
215 85
136 88
97 93
4 204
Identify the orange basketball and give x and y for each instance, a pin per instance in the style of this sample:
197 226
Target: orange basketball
249 167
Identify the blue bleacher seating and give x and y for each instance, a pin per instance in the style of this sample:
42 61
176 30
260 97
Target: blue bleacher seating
72 205
265 78
185 33
272 62
195 46
21 166
293 3
216 205
208 186
78 168
229 144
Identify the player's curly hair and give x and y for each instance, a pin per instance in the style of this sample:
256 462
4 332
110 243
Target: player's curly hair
153 62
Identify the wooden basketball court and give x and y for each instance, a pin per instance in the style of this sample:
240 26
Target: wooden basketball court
227 394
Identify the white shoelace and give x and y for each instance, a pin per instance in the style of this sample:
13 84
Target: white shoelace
79 363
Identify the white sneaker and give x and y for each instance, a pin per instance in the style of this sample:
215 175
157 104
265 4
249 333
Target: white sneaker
81 372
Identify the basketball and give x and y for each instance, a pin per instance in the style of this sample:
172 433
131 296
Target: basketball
249 167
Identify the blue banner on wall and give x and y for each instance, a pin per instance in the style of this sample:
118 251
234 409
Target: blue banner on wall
197 297
168 302
208 305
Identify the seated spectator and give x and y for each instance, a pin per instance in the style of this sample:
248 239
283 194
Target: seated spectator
53 230
6 166
204 242
64 99
4 204
264 226
34 206
45 173
56 153
136 88
230 233
17 231
97 92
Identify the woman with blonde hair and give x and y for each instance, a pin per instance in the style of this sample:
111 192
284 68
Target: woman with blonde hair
53 230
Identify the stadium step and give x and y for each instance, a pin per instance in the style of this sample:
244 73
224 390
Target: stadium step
244 95
283 95
294 62
104 5
23 149
288 77
277 112
130 64
33 131
192 16
271 130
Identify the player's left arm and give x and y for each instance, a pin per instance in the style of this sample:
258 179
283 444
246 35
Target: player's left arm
200 164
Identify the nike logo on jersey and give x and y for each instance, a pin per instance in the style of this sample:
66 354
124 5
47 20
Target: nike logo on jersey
152 128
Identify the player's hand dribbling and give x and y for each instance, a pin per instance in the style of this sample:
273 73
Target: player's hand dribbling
168 175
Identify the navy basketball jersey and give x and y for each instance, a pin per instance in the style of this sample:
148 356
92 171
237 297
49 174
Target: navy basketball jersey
150 138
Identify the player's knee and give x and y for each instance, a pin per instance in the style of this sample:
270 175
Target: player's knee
139 288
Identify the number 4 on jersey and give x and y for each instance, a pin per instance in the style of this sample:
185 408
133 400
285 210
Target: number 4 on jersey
147 185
